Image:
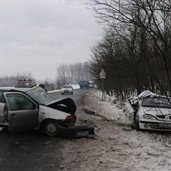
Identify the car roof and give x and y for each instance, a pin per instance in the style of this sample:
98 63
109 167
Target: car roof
15 89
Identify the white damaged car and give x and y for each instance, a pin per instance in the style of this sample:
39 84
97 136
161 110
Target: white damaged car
151 111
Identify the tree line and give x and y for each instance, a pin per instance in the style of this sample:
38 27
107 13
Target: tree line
72 73
65 74
135 49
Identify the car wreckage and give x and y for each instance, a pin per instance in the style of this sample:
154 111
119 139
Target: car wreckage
151 111
27 108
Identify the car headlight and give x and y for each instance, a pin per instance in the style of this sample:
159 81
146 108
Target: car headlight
147 116
69 118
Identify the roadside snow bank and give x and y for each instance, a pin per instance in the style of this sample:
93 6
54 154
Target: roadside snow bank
117 147
109 108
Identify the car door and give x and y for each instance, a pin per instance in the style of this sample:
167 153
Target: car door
22 112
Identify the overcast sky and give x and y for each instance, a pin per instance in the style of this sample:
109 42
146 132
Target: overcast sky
37 36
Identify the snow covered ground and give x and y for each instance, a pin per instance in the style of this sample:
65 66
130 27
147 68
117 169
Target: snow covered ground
116 147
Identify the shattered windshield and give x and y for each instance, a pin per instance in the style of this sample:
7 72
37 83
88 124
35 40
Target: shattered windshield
163 102
39 95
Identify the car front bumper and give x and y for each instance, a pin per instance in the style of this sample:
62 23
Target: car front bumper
67 91
155 125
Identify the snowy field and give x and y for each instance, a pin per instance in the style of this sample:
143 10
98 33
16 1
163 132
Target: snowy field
117 147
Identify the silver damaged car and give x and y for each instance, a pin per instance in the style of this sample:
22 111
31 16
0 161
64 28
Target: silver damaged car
26 108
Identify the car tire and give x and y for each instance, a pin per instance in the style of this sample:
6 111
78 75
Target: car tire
50 128
75 118
136 121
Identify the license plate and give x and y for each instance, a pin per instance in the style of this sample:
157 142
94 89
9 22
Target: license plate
165 125
82 133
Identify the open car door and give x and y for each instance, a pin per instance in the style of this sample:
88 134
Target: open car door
22 112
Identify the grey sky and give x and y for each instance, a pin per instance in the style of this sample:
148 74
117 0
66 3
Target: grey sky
37 36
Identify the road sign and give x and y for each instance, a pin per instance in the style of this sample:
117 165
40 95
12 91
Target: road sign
102 74
102 77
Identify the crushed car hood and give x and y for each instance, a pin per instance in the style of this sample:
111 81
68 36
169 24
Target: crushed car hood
66 105
146 93
156 111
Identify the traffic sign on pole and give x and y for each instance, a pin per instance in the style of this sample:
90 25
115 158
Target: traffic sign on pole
102 74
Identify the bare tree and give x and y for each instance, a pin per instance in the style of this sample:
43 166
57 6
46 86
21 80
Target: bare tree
72 73
142 29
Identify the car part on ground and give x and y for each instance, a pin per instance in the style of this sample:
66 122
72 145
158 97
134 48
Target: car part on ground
151 111
76 132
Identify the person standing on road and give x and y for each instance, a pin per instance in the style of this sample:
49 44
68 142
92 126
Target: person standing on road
42 85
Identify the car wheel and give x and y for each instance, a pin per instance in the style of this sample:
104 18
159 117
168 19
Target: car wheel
50 128
74 117
136 121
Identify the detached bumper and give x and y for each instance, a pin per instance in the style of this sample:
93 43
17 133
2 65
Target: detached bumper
76 132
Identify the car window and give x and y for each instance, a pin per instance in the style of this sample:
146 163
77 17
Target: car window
19 102
67 86
24 85
2 99
162 102
39 95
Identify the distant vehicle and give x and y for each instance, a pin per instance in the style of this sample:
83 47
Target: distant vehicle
151 111
83 84
91 84
67 89
26 108
25 83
